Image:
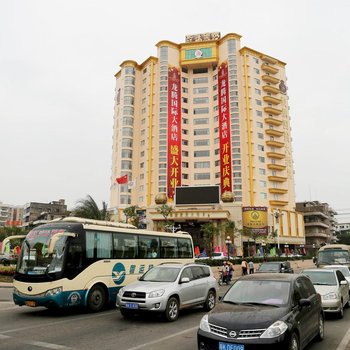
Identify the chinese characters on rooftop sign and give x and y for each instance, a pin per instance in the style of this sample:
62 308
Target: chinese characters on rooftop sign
202 37
225 131
174 131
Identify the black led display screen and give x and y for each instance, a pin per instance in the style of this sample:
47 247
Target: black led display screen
197 195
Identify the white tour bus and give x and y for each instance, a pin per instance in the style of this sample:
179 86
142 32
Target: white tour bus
84 262
331 254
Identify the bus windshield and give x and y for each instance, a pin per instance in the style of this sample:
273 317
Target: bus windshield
35 259
333 256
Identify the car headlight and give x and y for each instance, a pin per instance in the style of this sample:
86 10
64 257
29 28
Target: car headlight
330 296
204 324
121 291
54 291
15 291
156 293
275 330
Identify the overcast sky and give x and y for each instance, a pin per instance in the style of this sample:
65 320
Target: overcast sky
57 66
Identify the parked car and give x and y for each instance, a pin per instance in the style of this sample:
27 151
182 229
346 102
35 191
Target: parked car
264 311
167 289
333 288
7 259
275 266
215 256
343 269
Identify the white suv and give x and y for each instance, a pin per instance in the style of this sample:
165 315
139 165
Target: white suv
168 288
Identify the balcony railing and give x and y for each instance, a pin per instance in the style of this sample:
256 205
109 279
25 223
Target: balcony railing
276 167
270 79
278 190
273 100
274 132
271 110
275 155
273 121
270 69
271 89
268 59
275 144
277 178
276 203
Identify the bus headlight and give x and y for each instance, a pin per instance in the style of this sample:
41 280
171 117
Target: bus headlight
156 293
54 291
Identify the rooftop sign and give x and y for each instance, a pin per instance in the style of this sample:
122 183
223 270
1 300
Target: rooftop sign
202 37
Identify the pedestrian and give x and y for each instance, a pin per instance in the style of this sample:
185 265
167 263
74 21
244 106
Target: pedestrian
251 267
230 273
225 272
244 266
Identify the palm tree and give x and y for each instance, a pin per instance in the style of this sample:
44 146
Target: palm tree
210 231
87 208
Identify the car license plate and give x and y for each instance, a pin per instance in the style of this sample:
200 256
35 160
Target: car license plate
31 303
132 306
228 346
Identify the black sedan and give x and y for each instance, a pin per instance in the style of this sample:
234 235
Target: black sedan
275 266
264 311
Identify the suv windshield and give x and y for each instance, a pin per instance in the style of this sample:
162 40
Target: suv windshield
333 256
258 292
34 259
161 274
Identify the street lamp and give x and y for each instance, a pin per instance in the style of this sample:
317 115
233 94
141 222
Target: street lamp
263 244
276 215
228 242
286 246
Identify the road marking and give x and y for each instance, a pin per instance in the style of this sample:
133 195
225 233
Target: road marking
4 336
47 345
345 341
73 319
162 339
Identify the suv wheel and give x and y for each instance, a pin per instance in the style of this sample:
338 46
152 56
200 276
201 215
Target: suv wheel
210 301
172 310
320 334
341 311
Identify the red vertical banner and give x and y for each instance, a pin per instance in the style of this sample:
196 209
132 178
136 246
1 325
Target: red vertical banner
225 131
174 131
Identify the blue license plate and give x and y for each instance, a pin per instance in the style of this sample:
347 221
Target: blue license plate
132 306
228 346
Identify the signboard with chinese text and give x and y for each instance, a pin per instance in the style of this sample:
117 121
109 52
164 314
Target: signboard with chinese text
174 131
203 37
225 131
255 220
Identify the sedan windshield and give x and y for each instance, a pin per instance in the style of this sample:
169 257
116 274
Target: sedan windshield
326 278
259 292
269 267
35 259
161 274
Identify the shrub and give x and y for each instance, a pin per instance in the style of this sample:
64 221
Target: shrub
7 270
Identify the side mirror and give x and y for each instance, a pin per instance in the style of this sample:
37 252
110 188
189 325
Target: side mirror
304 302
343 283
184 280
282 269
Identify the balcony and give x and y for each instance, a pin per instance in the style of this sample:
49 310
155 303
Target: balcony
276 167
271 89
273 121
273 100
318 223
275 144
277 178
268 59
273 132
275 203
278 190
271 110
270 79
269 69
275 155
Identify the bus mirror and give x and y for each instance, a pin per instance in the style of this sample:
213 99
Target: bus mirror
55 238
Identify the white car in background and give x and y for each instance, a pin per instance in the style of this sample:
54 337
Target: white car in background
343 269
333 288
215 256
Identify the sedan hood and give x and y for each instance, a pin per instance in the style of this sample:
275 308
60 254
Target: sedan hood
246 316
146 287
323 290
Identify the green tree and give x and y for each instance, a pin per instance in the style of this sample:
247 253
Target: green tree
165 210
230 229
344 237
132 215
87 208
210 231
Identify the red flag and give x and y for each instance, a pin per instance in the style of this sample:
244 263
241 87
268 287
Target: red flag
122 180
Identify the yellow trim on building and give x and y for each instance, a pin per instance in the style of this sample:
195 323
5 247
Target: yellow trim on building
269 69
250 152
273 121
275 143
150 137
274 132
275 155
169 44
261 55
276 167
277 178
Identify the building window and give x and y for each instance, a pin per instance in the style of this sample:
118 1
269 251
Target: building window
198 154
261 159
203 80
258 113
201 90
262 171
263 195
199 100
200 121
258 92
202 176
201 132
204 110
262 183
260 147
202 165
201 143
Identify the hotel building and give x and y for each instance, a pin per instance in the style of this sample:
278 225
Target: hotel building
206 112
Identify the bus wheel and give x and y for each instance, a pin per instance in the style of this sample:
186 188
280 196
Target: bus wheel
96 298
